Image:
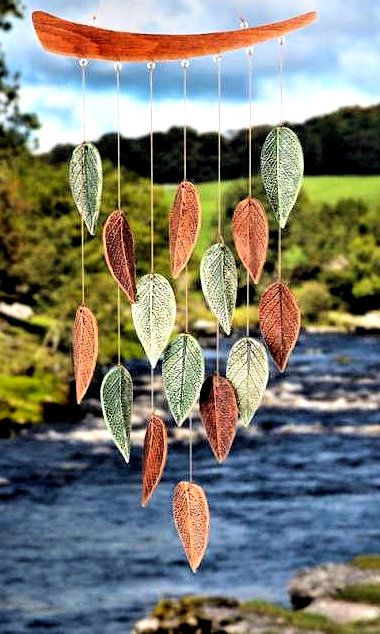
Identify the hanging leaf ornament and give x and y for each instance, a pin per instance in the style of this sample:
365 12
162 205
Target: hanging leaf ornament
116 395
251 235
282 168
85 349
154 456
248 372
119 252
280 322
219 414
192 520
184 226
154 314
86 181
183 370
219 283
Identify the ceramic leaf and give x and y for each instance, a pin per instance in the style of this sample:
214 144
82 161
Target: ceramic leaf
251 235
219 283
154 314
192 520
280 322
282 168
184 226
248 372
154 456
119 252
183 372
85 349
116 395
86 181
219 414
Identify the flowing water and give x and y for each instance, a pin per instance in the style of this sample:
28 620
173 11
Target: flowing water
79 555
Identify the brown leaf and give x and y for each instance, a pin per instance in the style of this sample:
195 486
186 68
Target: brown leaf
192 520
154 456
219 414
85 349
119 252
280 322
184 226
251 235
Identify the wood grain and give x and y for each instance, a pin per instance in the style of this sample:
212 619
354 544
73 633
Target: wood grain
280 322
184 226
192 519
251 235
154 457
119 253
219 413
85 349
79 40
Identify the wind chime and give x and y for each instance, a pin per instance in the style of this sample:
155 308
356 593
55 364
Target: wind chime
222 399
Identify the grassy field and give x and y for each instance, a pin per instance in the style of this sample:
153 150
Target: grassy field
330 189
320 189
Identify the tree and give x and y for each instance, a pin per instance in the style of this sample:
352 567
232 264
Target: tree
15 126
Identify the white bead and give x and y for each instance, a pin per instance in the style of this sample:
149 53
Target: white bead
151 66
118 66
185 63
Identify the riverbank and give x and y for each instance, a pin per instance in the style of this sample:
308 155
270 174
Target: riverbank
330 599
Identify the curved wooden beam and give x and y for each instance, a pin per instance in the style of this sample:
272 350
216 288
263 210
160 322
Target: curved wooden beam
78 40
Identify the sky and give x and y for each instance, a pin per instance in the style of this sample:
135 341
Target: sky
333 63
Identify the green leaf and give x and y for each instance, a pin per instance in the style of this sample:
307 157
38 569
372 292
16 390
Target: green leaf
183 371
116 395
282 171
154 314
86 181
219 283
248 371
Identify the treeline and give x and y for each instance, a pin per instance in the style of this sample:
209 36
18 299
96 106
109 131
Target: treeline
344 142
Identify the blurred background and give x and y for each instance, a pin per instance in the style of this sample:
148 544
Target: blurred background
301 486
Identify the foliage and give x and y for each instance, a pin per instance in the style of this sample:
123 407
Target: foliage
361 593
313 299
15 127
366 562
344 142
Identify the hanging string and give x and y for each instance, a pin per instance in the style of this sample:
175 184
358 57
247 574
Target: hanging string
185 65
151 66
250 51
118 67
281 41
83 63
218 61
97 10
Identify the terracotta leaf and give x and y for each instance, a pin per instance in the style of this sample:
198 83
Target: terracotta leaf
248 371
116 395
282 171
184 226
192 520
280 322
85 349
154 456
219 413
86 182
219 283
119 252
251 235
183 371
153 314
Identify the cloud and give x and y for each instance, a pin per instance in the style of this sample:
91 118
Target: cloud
323 64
